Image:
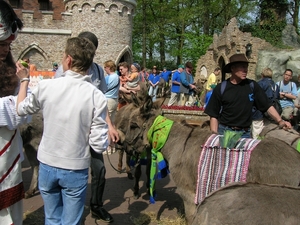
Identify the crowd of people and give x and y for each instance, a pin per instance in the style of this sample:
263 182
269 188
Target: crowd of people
72 144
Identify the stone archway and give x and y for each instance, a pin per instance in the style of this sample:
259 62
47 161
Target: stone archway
37 56
221 64
125 56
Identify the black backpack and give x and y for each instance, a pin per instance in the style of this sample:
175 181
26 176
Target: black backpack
275 102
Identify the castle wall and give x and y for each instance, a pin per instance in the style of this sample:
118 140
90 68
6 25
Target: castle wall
45 33
229 42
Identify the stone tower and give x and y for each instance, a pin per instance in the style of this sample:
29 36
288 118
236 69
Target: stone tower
45 32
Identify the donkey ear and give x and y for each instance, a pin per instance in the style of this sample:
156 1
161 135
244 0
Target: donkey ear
147 106
126 98
134 99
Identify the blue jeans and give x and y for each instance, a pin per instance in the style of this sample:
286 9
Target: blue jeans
153 92
222 128
63 192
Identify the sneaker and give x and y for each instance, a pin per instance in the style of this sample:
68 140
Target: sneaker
100 213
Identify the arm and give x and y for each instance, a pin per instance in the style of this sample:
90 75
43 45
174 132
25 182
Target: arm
214 125
23 75
113 134
276 117
185 82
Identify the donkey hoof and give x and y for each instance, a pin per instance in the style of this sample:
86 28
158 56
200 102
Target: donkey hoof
129 175
136 196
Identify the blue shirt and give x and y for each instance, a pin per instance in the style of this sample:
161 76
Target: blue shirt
176 87
154 78
290 88
113 85
165 75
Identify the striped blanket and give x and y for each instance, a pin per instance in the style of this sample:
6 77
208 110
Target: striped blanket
220 166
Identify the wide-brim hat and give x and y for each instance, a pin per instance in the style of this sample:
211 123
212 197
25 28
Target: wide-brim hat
237 58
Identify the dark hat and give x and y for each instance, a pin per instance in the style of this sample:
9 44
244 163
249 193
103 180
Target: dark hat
237 58
55 64
181 66
136 65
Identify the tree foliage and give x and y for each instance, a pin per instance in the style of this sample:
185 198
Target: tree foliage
171 32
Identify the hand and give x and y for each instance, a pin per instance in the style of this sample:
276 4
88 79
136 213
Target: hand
22 72
193 86
113 134
284 125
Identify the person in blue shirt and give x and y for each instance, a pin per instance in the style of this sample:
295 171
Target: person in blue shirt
208 94
272 91
153 82
113 85
288 93
175 86
165 74
187 84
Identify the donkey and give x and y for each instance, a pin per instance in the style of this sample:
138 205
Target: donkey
32 134
249 203
272 161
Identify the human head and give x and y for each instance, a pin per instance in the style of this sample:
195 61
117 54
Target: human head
180 68
9 26
165 68
78 55
288 75
189 67
217 71
123 68
110 66
135 67
236 59
154 70
237 66
91 36
9 22
267 72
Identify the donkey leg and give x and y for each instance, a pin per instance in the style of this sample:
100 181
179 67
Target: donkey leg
148 168
137 176
31 154
128 169
120 163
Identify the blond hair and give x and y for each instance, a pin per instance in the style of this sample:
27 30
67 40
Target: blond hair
267 72
111 65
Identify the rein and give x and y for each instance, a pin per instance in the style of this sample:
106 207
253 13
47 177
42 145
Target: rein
121 171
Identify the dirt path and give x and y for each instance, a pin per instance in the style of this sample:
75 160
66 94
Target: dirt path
118 198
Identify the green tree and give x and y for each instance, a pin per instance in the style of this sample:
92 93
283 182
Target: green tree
171 32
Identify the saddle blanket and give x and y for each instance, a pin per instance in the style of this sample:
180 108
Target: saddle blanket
219 166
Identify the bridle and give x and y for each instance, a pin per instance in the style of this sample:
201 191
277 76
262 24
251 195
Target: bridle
134 152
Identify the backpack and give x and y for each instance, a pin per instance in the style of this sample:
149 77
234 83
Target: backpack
275 102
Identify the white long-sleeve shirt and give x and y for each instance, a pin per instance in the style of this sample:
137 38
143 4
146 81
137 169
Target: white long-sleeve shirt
74 114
